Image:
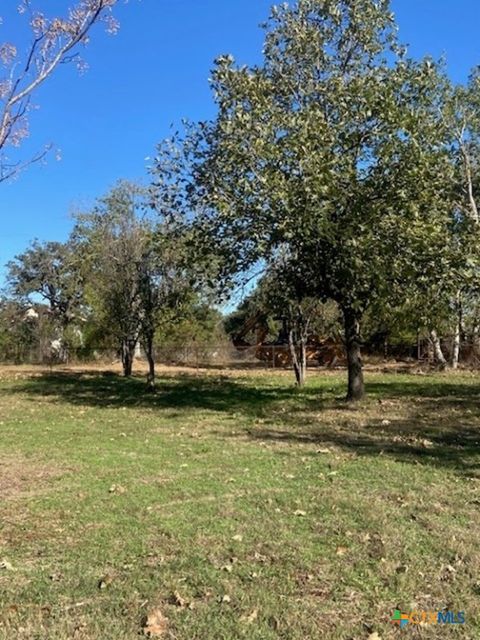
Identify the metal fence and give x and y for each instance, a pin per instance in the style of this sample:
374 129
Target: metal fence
226 355
191 355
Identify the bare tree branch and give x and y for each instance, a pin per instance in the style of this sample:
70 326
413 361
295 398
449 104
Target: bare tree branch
55 41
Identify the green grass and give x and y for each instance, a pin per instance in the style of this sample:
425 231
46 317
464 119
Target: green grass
237 506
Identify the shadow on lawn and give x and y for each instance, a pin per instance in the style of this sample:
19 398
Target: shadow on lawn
439 425
438 420
436 443
179 392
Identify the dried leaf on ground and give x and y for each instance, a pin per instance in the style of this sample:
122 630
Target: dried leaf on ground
249 618
117 489
227 567
156 625
104 582
178 600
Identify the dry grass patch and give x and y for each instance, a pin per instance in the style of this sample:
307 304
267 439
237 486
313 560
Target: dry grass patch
22 477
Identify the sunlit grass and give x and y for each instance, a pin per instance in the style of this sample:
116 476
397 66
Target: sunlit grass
237 505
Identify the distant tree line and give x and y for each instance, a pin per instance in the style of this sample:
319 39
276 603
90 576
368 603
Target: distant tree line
121 279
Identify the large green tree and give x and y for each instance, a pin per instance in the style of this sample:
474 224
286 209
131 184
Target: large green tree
332 153
444 292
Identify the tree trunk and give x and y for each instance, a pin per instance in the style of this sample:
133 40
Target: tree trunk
437 349
128 351
149 351
356 386
299 364
303 361
456 346
293 354
457 333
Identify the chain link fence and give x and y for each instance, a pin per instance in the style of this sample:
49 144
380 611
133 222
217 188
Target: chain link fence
191 355
225 355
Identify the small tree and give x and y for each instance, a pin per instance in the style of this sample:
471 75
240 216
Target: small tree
111 240
18 334
164 288
133 269
284 293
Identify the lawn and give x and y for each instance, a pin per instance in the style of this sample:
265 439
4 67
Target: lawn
230 505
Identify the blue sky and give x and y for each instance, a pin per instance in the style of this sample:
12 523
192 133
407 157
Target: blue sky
154 72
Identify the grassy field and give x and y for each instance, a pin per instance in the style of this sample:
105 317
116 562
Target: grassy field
233 506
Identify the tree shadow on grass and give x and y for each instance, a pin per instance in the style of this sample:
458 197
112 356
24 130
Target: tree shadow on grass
180 392
431 421
406 441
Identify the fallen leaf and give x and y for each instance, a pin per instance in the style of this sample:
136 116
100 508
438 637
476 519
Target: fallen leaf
425 442
300 513
237 538
177 600
117 488
104 582
5 564
251 617
341 551
156 625
374 636
226 598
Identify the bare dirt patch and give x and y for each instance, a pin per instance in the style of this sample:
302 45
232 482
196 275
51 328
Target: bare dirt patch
21 477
